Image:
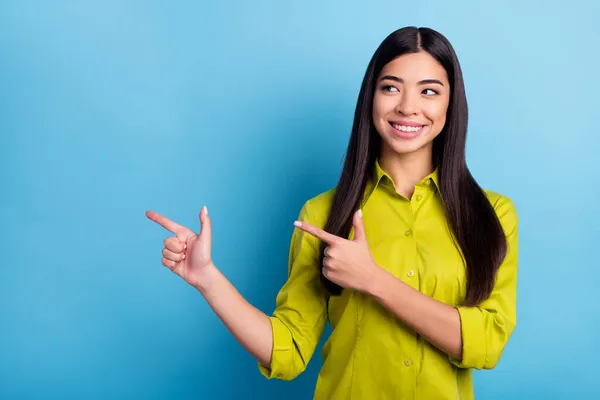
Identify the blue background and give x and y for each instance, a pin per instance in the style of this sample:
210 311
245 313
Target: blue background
109 108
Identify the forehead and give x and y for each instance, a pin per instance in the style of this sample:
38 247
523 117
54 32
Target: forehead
415 67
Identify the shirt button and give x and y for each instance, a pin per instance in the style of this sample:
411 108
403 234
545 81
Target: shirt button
408 233
408 362
419 197
410 273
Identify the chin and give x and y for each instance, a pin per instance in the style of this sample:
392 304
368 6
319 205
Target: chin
403 146
407 148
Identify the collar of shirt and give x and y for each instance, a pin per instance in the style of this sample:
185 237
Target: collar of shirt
380 177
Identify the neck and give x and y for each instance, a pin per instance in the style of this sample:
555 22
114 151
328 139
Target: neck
406 170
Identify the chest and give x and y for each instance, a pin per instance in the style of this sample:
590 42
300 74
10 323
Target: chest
413 240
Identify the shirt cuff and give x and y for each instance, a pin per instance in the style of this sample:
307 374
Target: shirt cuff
473 338
281 356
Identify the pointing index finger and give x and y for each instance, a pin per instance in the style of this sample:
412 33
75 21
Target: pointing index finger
316 232
165 222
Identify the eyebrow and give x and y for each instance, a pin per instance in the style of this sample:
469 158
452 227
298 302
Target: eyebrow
423 82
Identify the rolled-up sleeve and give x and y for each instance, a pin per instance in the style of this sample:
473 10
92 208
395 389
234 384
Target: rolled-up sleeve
487 327
301 312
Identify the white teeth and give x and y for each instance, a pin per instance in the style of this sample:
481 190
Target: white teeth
407 128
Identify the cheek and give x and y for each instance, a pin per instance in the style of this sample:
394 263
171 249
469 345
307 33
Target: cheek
381 107
437 114
377 112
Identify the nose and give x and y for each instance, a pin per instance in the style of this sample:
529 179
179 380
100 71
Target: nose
407 104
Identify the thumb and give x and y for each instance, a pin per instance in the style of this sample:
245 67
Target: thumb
359 227
205 232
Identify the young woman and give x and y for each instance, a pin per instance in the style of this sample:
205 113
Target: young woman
411 262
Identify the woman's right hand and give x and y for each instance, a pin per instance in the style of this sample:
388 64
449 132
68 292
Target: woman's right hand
186 253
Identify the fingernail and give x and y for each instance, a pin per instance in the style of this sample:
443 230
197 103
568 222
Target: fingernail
185 246
297 223
205 210
360 213
184 256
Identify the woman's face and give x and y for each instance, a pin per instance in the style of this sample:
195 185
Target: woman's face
410 103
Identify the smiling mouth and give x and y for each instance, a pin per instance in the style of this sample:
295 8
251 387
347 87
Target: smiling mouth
406 128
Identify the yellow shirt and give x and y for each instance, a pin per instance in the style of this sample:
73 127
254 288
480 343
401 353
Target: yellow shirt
370 353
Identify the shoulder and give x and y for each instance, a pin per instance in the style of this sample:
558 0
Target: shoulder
316 210
505 209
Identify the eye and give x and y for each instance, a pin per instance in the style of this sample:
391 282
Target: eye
389 88
430 92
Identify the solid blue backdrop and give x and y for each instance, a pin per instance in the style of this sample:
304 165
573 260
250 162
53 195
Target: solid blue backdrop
109 108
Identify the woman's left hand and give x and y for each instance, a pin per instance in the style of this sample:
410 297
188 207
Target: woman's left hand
348 263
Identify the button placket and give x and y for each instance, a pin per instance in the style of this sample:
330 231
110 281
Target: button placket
408 233
418 197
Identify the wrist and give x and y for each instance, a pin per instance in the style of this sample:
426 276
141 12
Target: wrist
375 283
203 280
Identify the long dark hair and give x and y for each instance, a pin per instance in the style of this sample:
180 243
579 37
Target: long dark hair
471 217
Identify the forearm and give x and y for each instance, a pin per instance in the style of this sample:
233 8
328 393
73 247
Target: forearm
250 326
437 322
